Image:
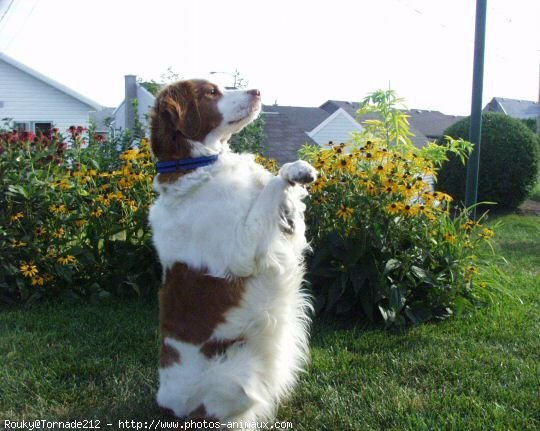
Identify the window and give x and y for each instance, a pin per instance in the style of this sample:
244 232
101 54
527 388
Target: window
21 127
33 126
44 128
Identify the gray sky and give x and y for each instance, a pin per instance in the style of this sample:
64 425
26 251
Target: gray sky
296 52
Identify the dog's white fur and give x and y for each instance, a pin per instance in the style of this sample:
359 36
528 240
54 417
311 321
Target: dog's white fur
227 219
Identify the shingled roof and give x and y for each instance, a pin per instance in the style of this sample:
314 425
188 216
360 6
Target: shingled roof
285 129
516 108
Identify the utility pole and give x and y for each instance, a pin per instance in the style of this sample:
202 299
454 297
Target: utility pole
475 131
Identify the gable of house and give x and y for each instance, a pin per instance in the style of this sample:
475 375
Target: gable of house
31 100
335 128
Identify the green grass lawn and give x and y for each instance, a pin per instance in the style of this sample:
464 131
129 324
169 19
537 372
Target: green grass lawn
474 372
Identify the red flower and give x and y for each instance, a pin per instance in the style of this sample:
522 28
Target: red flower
28 136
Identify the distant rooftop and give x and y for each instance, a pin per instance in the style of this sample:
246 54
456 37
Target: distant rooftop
516 108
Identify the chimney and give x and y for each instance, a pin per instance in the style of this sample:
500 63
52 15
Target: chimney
131 94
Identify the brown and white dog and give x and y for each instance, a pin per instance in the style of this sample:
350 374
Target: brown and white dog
230 237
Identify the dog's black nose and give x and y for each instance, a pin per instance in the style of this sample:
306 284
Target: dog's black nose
255 93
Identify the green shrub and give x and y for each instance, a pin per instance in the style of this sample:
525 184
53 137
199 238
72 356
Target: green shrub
386 247
73 220
508 161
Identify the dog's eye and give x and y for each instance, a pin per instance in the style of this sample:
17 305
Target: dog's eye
212 91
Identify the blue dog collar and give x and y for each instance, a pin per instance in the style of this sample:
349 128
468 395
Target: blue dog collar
185 164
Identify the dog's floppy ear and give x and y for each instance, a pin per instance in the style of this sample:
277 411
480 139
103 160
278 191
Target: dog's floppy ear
179 103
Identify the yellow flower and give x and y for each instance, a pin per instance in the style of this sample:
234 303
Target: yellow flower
451 239
487 233
17 217
104 199
393 208
58 209
133 205
59 233
66 260
407 209
469 225
346 164
129 154
318 185
29 270
345 212
15 243
38 281
98 212
40 230
81 222
65 185
472 269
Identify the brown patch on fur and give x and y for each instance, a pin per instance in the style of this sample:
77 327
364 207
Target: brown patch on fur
218 347
169 356
200 414
192 304
166 412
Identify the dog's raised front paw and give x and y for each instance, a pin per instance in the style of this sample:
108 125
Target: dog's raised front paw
299 172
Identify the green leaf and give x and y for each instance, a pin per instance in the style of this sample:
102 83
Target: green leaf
391 265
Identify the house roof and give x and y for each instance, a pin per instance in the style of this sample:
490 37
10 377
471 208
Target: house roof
50 81
285 129
100 119
518 108
419 139
431 123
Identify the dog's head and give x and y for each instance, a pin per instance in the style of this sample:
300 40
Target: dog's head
196 112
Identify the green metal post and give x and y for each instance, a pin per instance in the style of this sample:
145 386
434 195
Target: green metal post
473 165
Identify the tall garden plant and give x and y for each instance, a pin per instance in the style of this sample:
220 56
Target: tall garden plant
386 245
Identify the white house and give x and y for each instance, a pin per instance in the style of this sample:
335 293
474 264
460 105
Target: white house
34 102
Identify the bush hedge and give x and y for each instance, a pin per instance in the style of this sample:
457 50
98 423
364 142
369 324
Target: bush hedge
509 161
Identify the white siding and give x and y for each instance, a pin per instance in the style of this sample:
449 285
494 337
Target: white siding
25 98
120 116
338 129
146 102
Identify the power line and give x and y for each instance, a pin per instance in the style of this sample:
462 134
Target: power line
6 11
21 27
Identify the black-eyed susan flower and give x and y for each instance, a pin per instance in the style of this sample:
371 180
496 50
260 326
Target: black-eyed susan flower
98 212
18 244
66 260
59 233
487 233
393 208
471 269
29 270
81 222
58 209
17 217
40 231
318 185
38 281
345 212
407 210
